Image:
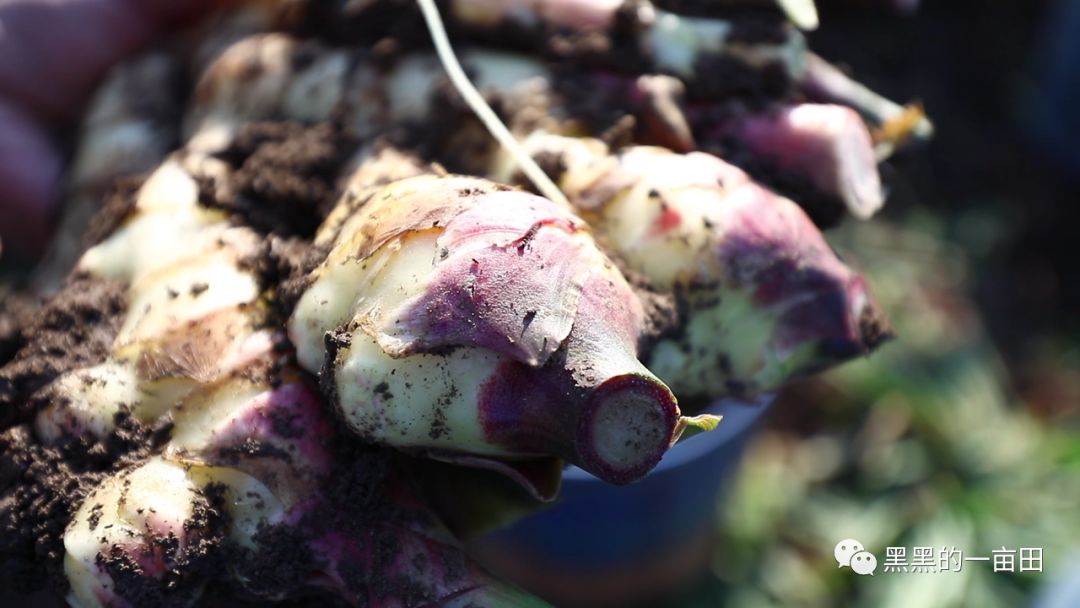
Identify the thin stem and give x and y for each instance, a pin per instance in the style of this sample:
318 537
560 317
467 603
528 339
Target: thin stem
481 108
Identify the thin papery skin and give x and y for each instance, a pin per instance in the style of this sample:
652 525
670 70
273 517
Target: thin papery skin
510 275
208 508
767 298
484 240
475 320
827 145
192 310
364 236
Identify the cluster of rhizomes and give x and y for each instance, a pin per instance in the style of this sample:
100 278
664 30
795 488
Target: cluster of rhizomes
452 317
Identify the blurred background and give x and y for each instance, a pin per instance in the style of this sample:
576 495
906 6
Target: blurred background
965 431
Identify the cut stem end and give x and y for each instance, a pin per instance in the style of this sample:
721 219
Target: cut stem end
626 428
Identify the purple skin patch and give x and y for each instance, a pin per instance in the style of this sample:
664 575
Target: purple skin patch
405 557
593 404
509 273
351 560
535 410
828 145
285 425
831 319
541 410
774 249
514 274
381 550
353 564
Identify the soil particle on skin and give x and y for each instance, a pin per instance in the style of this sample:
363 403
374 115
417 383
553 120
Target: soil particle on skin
187 566
874 328
74 329
383 390
286 425
252 448
438 424
286 175
334 342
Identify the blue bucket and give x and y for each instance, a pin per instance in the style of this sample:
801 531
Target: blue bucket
598 531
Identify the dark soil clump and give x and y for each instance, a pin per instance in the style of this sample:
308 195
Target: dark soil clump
74 329
285 180
283 268
42 486
16 312
117 205
826 210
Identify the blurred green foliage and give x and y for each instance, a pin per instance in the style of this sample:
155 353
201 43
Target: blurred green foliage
921 444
